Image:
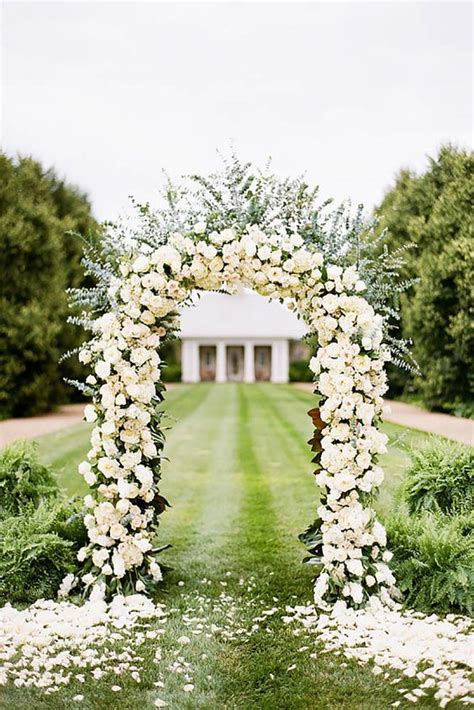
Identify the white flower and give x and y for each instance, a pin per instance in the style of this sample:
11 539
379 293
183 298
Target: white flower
66 585
155 571
102 369
90 414
355 567
118 564
90 478
141 264
199 228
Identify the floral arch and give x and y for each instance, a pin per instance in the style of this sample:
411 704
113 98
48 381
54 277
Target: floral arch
143 284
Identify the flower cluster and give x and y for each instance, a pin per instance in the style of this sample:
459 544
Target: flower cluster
123 464
350 377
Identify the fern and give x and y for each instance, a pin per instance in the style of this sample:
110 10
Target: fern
434 561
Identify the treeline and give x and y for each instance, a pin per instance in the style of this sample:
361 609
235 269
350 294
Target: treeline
434 210
38 261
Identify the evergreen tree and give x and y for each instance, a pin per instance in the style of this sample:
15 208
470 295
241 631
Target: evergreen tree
434 210
38 261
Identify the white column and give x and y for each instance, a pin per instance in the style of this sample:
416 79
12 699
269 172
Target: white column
249 363
190 361
285 360
280 360
221 364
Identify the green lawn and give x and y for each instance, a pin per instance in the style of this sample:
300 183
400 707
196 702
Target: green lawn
239 480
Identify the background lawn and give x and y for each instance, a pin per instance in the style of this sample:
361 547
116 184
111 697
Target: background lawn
239 480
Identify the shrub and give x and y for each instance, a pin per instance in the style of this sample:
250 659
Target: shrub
434 211
441 477
23 479
172 372
37 209
434 561
38 548
299 372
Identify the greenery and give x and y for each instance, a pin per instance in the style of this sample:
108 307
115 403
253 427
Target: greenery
434 560
441 478
172 372
432 537
24 481
241 490
37 209
242 196
40 533
300 372
434 210
38 547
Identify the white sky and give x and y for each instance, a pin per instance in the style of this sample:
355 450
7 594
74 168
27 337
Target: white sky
111 93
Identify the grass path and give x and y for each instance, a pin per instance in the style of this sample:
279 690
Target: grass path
240 484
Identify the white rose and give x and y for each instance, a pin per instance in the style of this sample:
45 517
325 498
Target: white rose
355 567
356 592
84 467
102 369
118 564
90 415
155 571
334 272
141 264
199 227
90 478
264 252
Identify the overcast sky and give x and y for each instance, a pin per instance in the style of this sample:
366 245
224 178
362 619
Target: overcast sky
111 93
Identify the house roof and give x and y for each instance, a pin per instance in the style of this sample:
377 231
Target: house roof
245 315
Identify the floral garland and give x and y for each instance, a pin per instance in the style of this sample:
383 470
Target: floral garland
123 464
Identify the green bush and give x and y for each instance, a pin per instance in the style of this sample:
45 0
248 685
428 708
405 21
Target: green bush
172 372
441 477
23 479
38 548
434 211
434 561
299 372
38 261
40 533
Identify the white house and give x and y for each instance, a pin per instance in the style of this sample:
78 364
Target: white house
241 338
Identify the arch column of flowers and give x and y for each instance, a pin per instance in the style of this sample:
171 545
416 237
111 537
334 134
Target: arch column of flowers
347 543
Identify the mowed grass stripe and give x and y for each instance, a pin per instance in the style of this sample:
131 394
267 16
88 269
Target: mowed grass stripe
285 456
202 481
259 673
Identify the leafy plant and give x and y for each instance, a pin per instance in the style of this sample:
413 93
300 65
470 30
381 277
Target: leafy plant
23 479
434 561
300 372
37 209
38 548
172 372
441 477
434 210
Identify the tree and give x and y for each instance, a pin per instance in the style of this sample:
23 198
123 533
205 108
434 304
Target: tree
434 210
38 261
